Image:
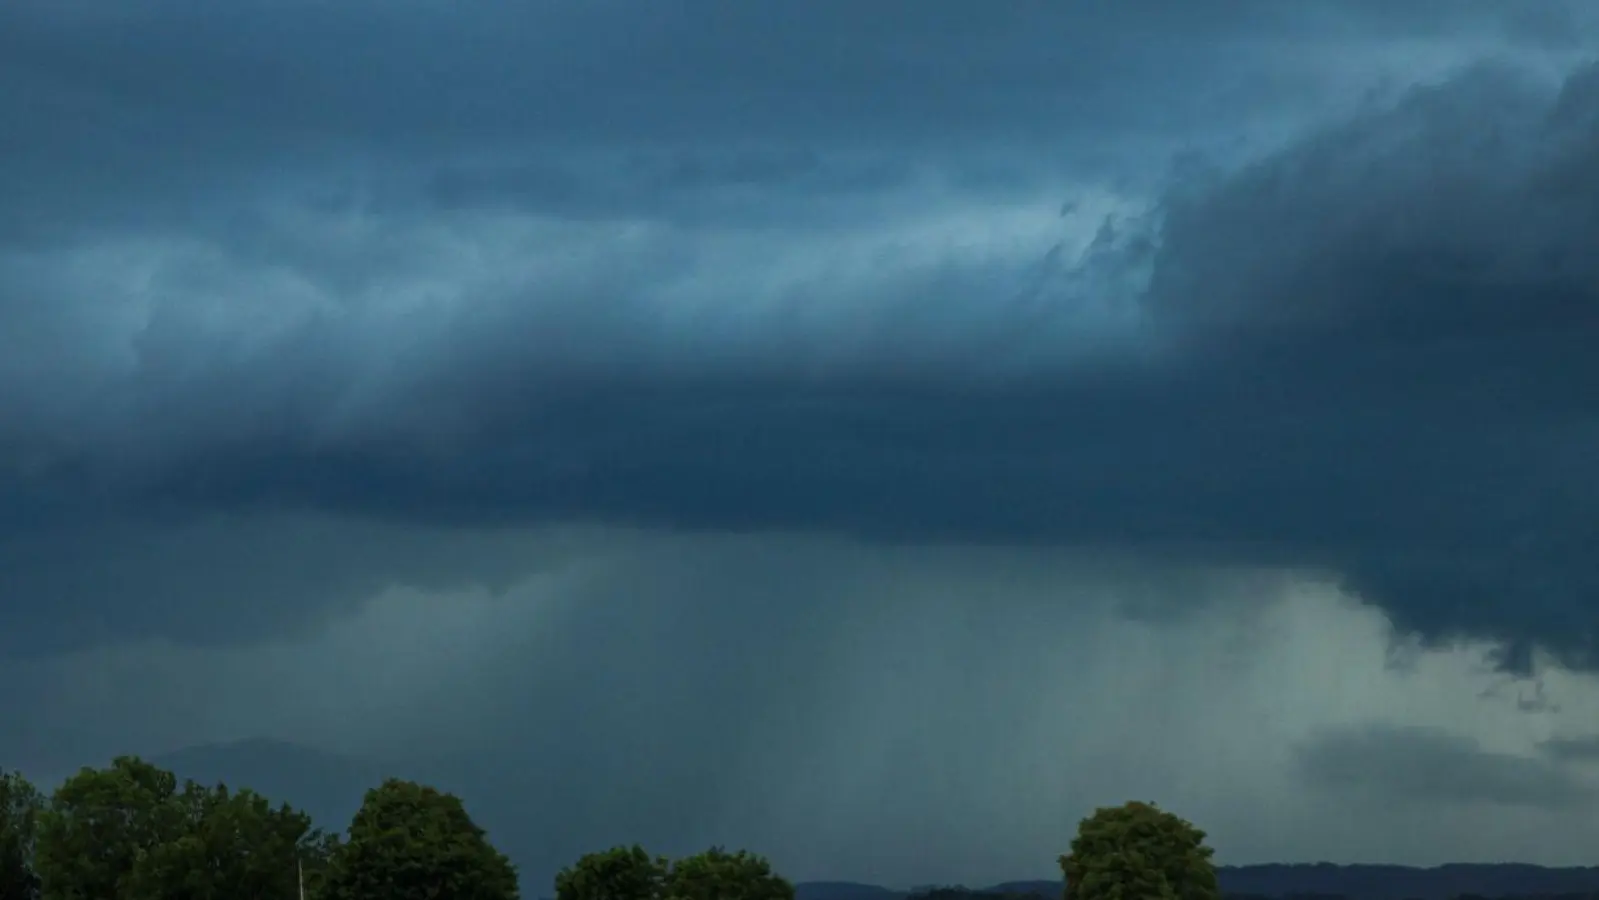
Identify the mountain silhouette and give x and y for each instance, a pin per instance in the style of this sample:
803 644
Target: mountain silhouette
328 786
1302 880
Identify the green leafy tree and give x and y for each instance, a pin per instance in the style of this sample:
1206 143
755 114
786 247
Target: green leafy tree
719 875
411 842
317 851
621 873
98 824
1139 852
220 846
20 805
128 833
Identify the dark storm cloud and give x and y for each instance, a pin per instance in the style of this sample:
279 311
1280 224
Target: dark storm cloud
1432 765
1366 352
142 114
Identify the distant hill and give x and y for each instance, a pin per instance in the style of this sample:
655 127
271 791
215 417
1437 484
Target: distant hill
1356 882
1368 882
843 890
326 785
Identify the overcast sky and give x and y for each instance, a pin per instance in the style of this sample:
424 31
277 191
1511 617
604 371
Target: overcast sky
873 434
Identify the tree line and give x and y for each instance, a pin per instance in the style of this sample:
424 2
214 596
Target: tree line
132 831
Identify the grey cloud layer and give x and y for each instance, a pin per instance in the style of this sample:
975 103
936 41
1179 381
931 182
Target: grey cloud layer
1582 749
1366 352
1433 765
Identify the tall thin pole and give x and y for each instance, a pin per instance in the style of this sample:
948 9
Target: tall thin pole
299 871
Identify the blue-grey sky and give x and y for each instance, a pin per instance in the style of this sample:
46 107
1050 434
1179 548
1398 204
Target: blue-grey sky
872 434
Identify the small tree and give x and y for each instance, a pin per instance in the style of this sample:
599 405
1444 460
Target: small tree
410 842
719 875
621 873
1139 852
20 805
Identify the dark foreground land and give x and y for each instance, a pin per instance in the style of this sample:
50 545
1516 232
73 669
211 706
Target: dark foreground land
1322 881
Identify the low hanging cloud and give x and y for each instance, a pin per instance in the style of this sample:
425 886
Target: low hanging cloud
1583 748
937 713
1434 765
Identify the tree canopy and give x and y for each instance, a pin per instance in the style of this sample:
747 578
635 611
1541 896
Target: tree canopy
1139 852
719 875
128 832
218 844
412 842
98 824
620 873
20 805
629 873
131 831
